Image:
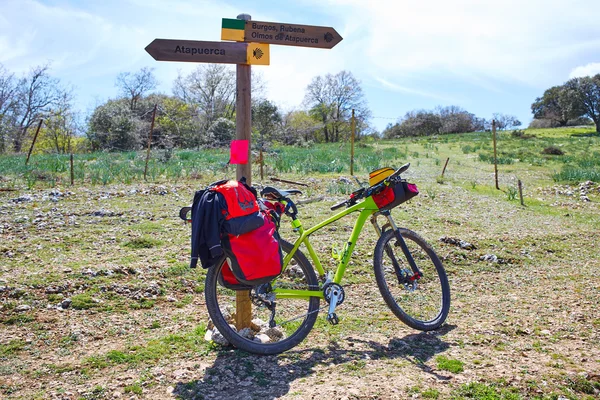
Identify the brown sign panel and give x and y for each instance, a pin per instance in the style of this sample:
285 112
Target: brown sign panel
322 37
197 51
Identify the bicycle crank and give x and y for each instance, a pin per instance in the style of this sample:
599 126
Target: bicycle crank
334 296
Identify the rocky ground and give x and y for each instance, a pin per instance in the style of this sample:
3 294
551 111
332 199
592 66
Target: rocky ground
97 302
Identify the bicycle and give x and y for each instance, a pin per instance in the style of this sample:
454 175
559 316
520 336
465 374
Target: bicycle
410 277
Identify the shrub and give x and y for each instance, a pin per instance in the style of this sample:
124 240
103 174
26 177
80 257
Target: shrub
553 150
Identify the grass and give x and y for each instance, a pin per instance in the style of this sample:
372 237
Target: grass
191 343
482 391
105 169
11 348
83 301
143 242
450 365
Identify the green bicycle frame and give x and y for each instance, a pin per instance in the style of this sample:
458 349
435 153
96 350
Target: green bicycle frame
366 208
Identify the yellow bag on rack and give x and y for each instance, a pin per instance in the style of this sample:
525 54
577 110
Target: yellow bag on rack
379 174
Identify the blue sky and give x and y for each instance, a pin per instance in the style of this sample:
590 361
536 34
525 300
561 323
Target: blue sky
485 56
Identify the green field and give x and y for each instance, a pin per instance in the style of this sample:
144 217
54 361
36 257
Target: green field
524 324
469 153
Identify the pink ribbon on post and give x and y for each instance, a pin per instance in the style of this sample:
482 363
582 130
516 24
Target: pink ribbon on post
239 152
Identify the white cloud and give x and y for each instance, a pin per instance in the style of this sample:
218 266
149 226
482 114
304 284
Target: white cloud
407 90
526 42
585 70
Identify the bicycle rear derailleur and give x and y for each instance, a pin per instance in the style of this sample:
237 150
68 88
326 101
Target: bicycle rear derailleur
334 296
263 296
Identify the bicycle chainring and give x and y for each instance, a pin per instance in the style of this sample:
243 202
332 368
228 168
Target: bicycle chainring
330 288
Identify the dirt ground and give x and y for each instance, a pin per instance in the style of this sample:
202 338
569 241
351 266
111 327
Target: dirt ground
523 324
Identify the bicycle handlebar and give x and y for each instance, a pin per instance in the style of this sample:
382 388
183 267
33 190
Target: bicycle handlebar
339 205
372 190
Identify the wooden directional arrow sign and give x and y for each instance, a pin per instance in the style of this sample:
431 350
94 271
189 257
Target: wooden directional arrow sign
209 52
279 33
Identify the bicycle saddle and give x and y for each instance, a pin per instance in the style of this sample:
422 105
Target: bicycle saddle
271 193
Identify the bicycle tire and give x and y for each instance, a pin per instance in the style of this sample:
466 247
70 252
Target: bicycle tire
299 274
425 308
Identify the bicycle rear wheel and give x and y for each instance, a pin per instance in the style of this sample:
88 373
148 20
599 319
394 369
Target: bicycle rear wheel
292 318
423 303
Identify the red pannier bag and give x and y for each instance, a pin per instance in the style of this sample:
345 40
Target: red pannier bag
252 258
395 194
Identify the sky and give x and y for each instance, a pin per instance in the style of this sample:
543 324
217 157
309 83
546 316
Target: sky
484 56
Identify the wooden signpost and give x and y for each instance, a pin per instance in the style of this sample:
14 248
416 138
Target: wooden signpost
209 52
322 37
249 46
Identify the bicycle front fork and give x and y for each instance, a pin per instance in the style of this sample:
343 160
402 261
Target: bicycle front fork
391 224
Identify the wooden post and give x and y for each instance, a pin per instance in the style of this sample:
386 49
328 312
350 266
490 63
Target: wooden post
352 144
150 140
72 171
34 139
243 118
521 192
262 177
495 154
445 165
71 158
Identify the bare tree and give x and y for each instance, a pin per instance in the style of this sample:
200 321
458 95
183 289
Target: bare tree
8 102
504 121
36 93
61 123
210 89
331 100
134 85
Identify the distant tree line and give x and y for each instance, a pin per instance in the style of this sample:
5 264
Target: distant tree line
575 102
444 120
200 112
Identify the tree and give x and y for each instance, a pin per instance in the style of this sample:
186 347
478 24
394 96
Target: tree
420 123
8 103
331 98
112 126
299 126
220 133
265 120
456 120
179 122
135 85
504 121
583 96
61 123
210 89
554 106
37 92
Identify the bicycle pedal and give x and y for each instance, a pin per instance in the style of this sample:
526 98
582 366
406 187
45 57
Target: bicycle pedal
333 319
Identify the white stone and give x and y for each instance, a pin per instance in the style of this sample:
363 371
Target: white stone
262 338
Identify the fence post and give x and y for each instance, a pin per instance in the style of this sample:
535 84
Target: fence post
72 171
445 165
495 154
34 139
262 177
150 140
352 143
521 192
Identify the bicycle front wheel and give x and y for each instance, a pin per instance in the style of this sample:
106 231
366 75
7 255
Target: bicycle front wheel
278 324
421 303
